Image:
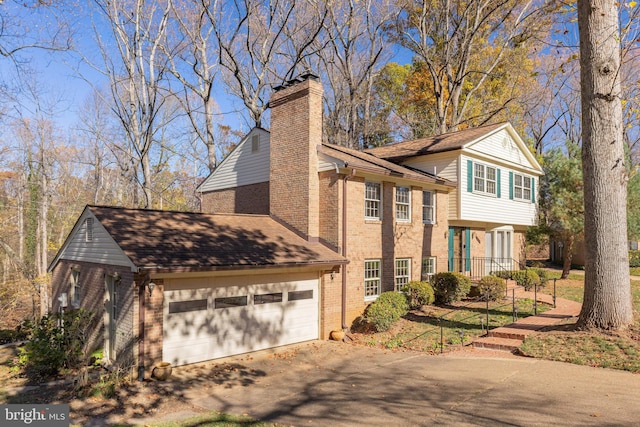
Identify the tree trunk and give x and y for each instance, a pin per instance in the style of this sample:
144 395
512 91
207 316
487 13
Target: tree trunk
567 255
607 290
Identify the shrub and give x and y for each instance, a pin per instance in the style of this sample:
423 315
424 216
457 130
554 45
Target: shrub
386 310
418 294
503 274
12 335
55 342
526 278
492 288
450 287
543 275
634 259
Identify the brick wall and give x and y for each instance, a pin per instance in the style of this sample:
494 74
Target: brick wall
153 322
296 131
246 199
92 296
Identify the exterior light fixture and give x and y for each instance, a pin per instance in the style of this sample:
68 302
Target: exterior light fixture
151 286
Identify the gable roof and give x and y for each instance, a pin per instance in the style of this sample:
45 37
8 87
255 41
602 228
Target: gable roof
368 163
434 144
187 241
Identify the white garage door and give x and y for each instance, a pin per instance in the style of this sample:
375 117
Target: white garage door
208 322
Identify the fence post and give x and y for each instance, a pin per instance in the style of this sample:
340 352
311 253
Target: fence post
513 304
554 293
487 316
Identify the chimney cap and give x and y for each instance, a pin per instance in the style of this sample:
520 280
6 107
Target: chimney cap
306 75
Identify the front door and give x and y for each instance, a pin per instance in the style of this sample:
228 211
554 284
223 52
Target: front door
111 307
459 245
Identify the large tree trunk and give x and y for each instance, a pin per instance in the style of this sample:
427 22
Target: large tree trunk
607 291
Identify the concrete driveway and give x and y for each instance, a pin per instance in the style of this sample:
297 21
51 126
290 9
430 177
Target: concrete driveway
329 384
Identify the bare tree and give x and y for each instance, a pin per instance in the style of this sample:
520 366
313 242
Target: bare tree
607 294
135 68
262 44
356 46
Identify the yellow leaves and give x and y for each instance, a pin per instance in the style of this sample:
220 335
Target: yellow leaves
632 3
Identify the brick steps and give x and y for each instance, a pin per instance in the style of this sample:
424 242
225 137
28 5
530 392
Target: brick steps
495 343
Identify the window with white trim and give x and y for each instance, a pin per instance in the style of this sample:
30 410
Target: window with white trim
403 273
484 178
372 199
521 187
75 287
372 278
403 204
429 207
428 268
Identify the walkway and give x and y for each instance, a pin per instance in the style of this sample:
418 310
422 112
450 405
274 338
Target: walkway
511 337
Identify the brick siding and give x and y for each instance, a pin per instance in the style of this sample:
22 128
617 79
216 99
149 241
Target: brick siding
246 199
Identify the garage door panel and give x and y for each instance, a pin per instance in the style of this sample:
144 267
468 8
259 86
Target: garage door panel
193 334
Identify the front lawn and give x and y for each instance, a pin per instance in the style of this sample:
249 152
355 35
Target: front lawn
421 330
617 350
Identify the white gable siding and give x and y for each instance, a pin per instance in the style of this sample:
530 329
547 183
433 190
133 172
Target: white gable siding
497 210
102 249
328 163
242 166
445 165
502 146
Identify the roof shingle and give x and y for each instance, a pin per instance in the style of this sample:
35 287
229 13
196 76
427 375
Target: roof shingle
155 239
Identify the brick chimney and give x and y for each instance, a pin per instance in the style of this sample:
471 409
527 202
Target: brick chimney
296 132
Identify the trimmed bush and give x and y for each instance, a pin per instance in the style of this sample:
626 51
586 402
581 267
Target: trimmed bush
634 259
386 310
526 278
543 275
492 288
450 287
418 294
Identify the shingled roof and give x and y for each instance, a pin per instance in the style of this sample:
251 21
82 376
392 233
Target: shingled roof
435 144
168 240
367 162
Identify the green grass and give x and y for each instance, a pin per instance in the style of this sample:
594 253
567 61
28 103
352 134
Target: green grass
634 271
421 331
615 350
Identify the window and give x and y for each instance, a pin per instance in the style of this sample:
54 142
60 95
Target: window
403 204
428 268
403 273
521 187
300 295
230 302
484 179
88 223
186 306
372 200
428 207
372 279
267 298
75 287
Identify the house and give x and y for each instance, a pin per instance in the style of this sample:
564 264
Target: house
297 236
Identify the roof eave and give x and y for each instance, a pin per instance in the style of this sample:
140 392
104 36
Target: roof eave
189 269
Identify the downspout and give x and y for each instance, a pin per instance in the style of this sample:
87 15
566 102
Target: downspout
343 312
141 310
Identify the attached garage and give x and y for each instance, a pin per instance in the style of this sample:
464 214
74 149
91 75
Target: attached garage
209 318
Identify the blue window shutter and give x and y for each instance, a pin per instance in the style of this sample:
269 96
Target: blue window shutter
467 249
451 233
498 182
469 176
533 190
510 185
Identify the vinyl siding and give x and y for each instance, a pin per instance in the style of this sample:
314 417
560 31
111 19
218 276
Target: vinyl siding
501 146
101 250
241 166
445 165
491 209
